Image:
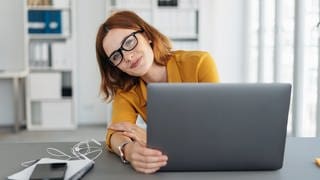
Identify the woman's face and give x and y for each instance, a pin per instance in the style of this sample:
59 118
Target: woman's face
129 50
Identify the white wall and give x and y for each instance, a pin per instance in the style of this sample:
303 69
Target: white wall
221 33
11 35
11 53
90 109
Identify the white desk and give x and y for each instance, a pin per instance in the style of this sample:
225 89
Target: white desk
16 77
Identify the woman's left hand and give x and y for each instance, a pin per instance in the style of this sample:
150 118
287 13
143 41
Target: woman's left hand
133 131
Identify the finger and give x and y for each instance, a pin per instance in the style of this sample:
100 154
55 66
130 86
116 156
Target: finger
144 151
147 171
151 159
130 135
144 154
152 165
135 137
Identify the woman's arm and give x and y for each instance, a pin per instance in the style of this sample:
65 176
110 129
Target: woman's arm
207 69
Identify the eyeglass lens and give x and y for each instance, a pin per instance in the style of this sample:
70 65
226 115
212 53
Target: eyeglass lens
129 44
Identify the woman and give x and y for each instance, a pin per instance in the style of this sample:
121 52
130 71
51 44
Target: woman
131 53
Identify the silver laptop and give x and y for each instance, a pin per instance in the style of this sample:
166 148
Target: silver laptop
205 127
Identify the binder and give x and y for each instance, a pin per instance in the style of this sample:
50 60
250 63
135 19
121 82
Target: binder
44 21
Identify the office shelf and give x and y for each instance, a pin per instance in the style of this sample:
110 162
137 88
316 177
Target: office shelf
50 84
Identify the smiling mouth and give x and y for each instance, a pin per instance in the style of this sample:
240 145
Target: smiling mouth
135 63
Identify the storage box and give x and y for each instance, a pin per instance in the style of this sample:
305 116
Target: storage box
45 85
56 114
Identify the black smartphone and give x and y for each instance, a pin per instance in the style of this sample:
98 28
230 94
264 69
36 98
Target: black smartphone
50 171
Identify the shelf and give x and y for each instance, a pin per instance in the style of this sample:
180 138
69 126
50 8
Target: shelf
50 101
45 128
113 9
48 8
13 74
48 36
49 70
187 37
177 8
63 99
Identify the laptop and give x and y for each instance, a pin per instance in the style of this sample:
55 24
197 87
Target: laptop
218 127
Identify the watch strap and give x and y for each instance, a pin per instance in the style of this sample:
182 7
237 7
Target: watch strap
121 151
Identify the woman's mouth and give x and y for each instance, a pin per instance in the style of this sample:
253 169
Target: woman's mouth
135 63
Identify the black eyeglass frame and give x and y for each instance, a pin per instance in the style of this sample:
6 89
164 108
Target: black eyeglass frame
123 49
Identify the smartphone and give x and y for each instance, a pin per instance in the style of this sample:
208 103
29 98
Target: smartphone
54 171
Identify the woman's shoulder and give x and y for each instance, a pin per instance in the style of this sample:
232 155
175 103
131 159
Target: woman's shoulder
186 57
134 94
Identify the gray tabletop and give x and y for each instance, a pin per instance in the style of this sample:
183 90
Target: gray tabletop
298 163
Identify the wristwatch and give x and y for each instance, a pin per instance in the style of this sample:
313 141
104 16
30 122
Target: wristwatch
121 150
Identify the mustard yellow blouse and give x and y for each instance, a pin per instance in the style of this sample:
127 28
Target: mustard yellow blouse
183 66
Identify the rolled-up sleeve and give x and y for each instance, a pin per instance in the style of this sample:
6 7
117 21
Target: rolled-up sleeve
122 111
207 69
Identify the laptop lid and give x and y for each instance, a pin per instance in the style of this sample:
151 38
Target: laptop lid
205 126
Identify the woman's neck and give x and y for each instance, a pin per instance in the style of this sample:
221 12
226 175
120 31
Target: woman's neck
157 73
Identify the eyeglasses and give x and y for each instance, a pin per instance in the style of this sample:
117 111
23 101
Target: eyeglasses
128 44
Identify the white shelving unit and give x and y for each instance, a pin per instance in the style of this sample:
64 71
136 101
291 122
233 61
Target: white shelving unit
179 22
50 85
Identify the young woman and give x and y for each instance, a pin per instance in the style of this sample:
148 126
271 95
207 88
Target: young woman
131 53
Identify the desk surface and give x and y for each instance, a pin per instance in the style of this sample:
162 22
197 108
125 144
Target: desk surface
298 163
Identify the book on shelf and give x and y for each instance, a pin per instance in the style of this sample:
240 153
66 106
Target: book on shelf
39 55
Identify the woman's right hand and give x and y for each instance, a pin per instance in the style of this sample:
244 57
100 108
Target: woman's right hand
144 159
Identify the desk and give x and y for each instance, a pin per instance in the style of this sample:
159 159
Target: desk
298 163
16 76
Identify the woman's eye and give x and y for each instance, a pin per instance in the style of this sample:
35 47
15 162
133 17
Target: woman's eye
129 43
116 57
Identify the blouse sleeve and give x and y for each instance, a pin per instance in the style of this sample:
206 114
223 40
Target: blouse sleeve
122 111
207 69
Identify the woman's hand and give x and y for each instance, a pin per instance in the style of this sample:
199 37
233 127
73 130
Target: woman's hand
144 159
130 130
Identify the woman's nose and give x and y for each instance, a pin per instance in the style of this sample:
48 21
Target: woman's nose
128 56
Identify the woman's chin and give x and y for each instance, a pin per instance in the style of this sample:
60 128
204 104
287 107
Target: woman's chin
138 73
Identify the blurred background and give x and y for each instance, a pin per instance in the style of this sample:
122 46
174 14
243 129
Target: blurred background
49 77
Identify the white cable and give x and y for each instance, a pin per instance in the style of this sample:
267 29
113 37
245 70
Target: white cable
59 153
76 150
82 149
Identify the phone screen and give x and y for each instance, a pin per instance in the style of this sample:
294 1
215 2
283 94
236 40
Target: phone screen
49 171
